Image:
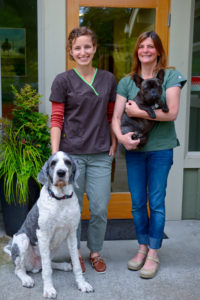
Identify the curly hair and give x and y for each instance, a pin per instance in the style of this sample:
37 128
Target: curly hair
80 31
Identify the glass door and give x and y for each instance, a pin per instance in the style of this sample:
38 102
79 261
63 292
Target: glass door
117 25
117 30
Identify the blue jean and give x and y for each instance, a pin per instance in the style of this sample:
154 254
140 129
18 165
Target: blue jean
147 179
95 180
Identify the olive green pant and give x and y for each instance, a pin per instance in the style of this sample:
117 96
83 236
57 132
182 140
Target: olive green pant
95 180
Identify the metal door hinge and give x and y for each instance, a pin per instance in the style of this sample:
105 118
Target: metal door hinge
169 19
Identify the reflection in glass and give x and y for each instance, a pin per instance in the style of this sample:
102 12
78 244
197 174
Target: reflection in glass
12 42
117 30
18 40
194 138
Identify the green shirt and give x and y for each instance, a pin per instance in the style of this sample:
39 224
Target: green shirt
163 135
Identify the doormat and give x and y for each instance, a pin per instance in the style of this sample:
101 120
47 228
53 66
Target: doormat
121 229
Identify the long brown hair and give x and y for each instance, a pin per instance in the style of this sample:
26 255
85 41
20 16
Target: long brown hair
80 31
161 59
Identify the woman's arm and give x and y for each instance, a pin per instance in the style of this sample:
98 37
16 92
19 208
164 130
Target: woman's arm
124 139
55 139
113 146
56 125
172 100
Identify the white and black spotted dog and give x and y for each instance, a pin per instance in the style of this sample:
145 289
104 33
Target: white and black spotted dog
54 218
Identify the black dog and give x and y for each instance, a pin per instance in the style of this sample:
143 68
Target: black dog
148 99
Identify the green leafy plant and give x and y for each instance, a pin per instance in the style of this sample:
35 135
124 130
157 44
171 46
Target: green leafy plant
25 113
24 144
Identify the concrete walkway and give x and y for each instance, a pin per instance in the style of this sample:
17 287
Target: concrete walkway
177 279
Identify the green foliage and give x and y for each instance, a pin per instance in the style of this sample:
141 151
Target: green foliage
24 144
26 114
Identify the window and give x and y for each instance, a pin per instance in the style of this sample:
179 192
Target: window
18 40
194 136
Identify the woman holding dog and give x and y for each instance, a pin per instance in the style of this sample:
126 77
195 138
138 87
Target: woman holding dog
82 106
148 167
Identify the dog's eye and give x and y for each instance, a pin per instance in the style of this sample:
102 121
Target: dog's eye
67 162
53 163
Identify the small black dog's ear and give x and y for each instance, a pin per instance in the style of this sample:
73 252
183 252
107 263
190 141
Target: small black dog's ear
43 174
75 172
138 80
161 75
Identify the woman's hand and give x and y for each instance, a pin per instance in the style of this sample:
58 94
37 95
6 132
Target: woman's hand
113 149
124 139
132 109
127 141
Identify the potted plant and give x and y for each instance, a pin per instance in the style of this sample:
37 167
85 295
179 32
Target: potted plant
24 147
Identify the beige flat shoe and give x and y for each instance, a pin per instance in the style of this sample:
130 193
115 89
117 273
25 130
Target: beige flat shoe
137 265
148 274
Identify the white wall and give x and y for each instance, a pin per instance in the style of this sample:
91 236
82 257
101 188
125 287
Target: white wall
180 57
51 45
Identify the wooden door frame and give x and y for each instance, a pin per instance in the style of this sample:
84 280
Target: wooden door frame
161 24
119 206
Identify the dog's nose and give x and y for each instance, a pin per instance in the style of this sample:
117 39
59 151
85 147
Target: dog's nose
61 173
154 93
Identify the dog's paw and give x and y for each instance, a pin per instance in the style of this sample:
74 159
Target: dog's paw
165 109
63 266
36 270
135 136
85 287
50 293
152 114
28 282
66 267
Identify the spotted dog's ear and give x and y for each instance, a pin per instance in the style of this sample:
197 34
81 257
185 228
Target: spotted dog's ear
75 172
43 174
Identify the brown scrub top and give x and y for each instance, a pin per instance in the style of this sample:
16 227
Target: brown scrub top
85 128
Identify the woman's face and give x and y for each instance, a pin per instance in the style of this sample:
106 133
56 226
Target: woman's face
83 50
147 53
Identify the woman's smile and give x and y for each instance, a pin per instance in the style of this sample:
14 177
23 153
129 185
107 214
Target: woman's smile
83 50
147 52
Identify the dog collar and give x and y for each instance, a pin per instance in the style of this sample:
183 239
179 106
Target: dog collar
51 193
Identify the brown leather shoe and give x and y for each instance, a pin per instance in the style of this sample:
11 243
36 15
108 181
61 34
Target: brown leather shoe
98 264
82 264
